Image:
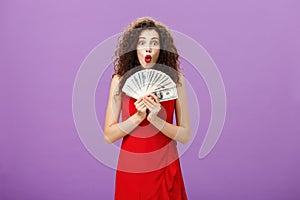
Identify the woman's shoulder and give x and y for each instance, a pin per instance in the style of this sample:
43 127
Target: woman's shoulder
116 76
116 79
180 79
180 76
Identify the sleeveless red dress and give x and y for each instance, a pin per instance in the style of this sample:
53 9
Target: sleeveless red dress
148 165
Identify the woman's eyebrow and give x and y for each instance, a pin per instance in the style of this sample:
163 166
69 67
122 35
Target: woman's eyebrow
151 38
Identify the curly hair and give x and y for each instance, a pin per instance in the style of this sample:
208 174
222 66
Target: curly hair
126 61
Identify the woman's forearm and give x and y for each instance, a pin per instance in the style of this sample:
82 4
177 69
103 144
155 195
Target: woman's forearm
119 130
178 133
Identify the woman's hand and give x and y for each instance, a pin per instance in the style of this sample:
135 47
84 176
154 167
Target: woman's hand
153 105
141 108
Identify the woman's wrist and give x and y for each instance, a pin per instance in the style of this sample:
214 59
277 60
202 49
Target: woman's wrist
131 123
156 121
137 119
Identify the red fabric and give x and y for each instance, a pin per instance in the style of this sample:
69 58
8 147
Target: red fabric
148 166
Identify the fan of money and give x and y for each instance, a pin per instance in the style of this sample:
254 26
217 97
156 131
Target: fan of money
150 81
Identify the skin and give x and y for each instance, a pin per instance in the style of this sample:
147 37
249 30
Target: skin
148 44
114 130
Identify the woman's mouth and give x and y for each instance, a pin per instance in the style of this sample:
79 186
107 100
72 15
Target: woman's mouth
148 58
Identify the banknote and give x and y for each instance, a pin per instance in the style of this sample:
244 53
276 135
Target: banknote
150 81
166 94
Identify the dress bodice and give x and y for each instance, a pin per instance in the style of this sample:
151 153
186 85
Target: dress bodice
146 134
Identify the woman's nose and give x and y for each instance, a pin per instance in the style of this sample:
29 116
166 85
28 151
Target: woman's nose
148 49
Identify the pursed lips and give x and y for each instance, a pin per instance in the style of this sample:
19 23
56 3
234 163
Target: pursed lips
148 58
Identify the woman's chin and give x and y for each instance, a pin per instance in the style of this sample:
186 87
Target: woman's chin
148 65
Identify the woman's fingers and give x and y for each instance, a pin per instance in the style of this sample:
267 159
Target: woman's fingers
149 101
154 97
148 106
138 100
144 108
140 107
151 104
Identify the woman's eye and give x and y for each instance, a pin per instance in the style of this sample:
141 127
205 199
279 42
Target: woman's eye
155 43
141 43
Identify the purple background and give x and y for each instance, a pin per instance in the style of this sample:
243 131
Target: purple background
253 43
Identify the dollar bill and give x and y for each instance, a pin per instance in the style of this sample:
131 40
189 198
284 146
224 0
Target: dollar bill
150 81
166 94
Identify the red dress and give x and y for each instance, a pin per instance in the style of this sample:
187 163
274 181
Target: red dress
148 165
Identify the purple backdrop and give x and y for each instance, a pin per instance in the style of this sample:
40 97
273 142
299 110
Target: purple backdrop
253 43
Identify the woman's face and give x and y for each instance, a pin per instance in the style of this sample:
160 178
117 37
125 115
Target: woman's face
148 48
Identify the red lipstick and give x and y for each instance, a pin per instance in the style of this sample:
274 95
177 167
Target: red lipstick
148 58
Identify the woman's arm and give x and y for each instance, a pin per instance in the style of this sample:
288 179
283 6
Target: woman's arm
113 130
181 131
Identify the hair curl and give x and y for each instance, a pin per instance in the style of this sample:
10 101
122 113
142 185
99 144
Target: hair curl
126 61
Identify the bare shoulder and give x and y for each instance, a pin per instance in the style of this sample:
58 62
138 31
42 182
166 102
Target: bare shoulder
116 79
114 87
181 83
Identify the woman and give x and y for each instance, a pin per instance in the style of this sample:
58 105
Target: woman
148 166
